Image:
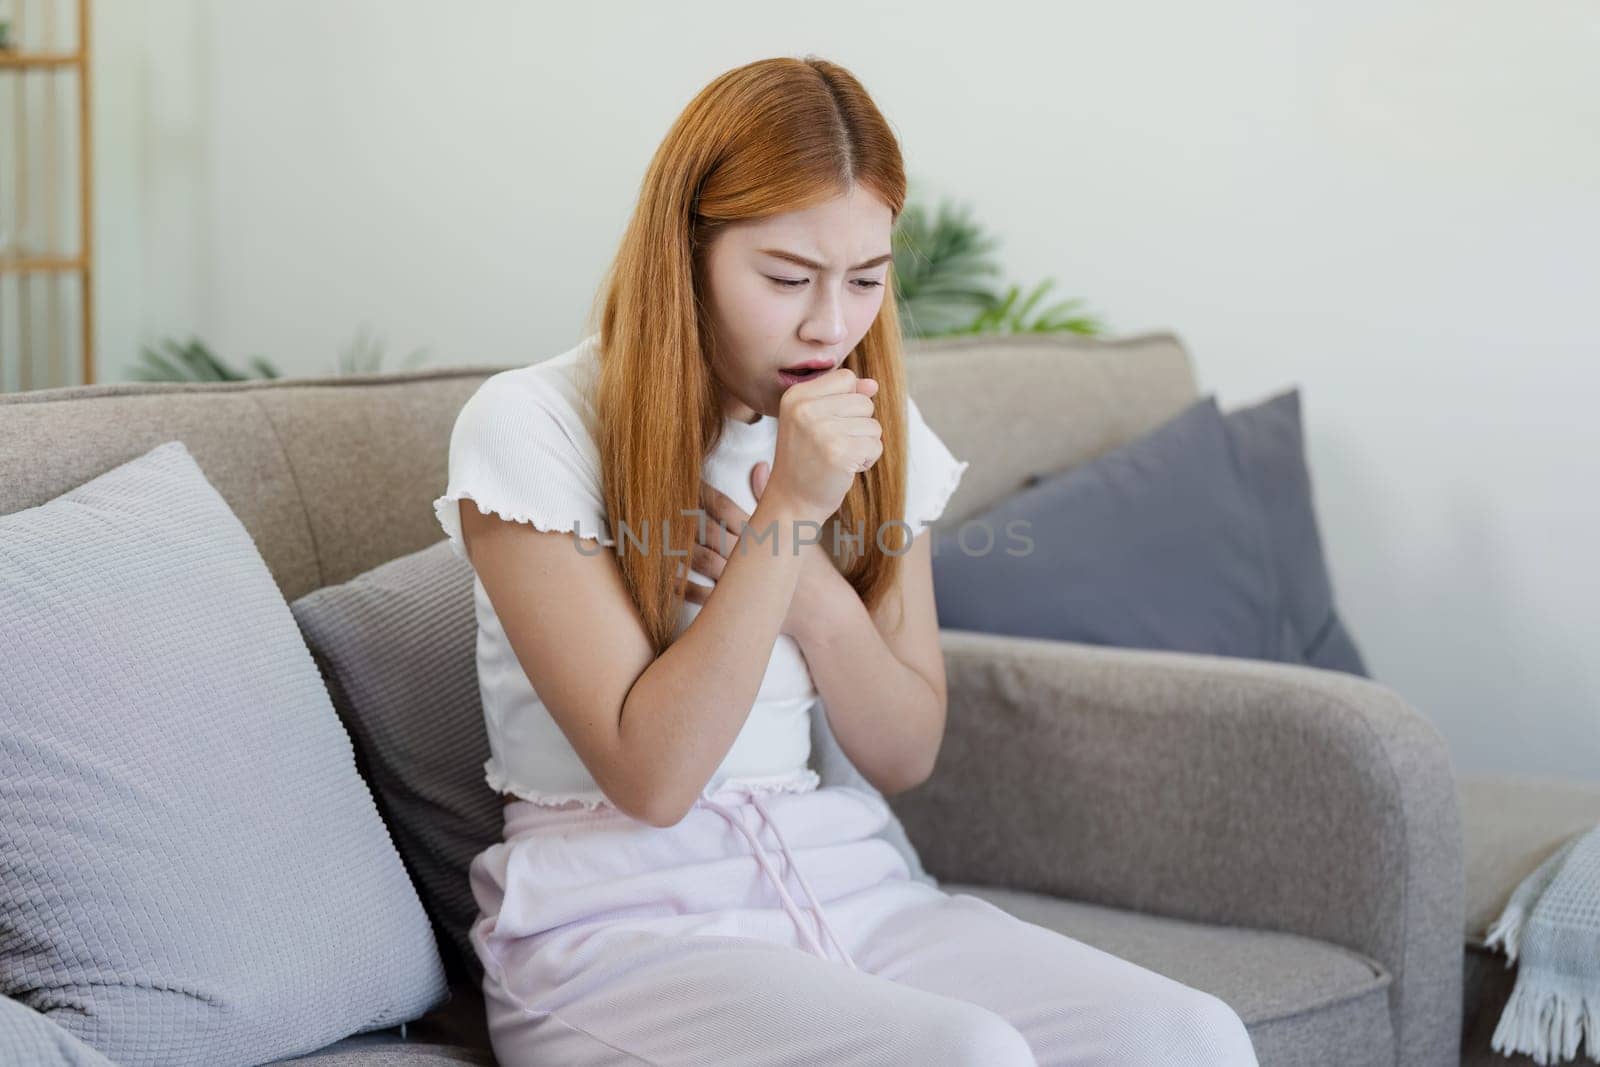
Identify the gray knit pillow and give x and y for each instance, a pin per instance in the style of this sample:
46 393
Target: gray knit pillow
191 869
398 646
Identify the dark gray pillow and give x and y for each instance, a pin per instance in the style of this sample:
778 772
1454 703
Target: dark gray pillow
1270 447
1157 544
1201 536
398 647
191 869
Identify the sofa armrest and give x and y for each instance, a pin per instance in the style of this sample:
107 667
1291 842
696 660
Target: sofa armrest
1210 788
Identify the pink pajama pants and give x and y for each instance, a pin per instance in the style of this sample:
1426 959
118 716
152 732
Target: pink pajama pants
776 929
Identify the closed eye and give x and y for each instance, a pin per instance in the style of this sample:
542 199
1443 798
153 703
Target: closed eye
791 283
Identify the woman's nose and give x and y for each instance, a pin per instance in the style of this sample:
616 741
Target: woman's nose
825 323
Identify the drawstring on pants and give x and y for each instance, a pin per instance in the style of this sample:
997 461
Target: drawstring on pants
763 859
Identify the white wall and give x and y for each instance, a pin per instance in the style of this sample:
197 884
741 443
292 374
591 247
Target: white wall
1395 206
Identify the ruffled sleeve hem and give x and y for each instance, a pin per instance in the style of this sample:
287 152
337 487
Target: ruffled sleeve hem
803 780
447 509
522 449
932 473
939 497
501 782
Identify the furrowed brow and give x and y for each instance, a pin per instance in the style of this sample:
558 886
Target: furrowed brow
814 265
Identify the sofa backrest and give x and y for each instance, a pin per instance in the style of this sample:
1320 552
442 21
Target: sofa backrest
333 476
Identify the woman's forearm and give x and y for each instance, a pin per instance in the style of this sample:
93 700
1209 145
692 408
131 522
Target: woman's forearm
885 715
685 710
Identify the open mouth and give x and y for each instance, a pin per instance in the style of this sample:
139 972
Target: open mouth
791 375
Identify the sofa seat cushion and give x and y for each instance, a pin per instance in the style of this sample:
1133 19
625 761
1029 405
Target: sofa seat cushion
388 1049
1303 1000
456 1031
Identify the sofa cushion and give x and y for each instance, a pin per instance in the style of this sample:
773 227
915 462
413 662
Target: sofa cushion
1157 544
1200 536
1303 1000
1270 446
191 869
398 648
389 1049
454 1032
1016 404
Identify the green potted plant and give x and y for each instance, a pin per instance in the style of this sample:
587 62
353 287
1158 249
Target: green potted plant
193 361
947 275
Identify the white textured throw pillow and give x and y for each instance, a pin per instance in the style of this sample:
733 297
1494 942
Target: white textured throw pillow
191 869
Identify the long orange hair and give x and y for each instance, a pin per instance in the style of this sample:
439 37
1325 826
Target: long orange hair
773 136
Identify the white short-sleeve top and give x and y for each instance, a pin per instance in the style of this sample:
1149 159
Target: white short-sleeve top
524 447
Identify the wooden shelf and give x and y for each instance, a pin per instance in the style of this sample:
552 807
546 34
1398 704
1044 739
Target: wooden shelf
12 60
39 264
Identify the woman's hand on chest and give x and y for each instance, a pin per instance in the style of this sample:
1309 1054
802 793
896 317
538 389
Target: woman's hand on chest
718 538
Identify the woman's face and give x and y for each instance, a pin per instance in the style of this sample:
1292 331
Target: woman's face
794 288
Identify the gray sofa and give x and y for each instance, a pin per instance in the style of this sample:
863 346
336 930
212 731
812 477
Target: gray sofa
1287 838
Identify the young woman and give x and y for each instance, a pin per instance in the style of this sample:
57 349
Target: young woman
691 532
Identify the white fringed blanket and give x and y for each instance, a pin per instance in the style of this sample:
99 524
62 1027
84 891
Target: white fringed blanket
1553 923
